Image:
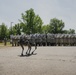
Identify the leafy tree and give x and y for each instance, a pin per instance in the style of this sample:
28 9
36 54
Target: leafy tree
65 31
56 26
31 23
23 27
17 29
71 31
46 29
3 31
11 31
37 27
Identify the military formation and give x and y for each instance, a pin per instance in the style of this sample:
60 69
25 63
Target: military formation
45 39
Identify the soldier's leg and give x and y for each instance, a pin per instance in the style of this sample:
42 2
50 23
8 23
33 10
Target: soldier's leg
35 46
27 51
34 50
29 46
22 49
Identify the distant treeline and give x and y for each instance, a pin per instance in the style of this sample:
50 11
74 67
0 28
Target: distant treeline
31 23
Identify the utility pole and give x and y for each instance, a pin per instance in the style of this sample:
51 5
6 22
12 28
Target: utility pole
11 27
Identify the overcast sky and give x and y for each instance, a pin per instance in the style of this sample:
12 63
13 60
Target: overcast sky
10 10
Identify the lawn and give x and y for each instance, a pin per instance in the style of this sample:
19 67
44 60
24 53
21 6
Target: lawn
8 44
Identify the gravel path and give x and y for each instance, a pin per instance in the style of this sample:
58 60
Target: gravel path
45 61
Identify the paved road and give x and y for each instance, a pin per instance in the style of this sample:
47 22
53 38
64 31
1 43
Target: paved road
45 61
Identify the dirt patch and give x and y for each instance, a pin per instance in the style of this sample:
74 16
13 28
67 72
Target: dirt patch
46 61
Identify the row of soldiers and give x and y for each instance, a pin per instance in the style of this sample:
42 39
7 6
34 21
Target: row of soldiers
46 39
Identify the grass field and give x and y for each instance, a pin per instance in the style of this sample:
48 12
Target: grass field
8 44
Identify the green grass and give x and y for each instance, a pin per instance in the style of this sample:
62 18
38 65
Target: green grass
8 44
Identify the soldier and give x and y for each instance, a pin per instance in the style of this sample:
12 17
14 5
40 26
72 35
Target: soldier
29 47
5 41
21 44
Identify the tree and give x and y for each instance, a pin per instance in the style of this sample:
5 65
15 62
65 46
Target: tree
17 29
65 31
3 31
37 27
11 31
56 26
46 29
23 27
71 31
31 23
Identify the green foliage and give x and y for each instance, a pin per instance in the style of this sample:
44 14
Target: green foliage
56 26
46 29
31 23
11 31
65 31
37 24
71 31
23 27
17 29
3 31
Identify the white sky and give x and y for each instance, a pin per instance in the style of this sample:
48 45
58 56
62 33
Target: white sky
65 10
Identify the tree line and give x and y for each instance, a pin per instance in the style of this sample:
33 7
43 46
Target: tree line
31 23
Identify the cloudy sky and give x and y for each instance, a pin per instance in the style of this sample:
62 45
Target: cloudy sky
10 10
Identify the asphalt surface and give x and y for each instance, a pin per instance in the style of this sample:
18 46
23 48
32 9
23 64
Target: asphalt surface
44 61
